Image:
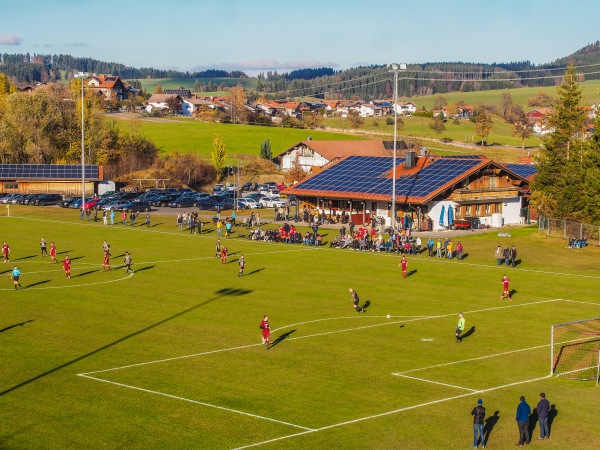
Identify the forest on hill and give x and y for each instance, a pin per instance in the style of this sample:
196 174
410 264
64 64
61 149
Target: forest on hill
364 83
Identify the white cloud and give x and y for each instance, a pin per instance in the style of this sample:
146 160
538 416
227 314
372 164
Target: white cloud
78 44
10 39
268 64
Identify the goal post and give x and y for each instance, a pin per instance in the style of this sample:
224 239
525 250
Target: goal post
575 349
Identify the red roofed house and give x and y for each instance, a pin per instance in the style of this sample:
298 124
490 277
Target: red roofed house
111 87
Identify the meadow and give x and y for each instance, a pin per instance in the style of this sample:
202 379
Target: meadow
170 356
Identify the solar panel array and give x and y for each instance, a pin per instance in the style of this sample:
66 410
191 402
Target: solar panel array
524 170
47 171
366 175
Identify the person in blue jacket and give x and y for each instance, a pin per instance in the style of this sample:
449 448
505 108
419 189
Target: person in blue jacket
523 412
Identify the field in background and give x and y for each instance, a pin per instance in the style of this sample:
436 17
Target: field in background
149 84
186 327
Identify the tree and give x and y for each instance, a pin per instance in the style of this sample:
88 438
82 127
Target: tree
219 156
158 89
354 120
237 104
506 103
541 99
484 124
174 103
439 101
437 124
522 130
265 150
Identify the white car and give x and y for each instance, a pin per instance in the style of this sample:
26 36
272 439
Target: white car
249 203
270 202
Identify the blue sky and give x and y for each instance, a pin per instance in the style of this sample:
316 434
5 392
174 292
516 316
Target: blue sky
283 35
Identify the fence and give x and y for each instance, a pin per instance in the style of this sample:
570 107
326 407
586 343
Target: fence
566 229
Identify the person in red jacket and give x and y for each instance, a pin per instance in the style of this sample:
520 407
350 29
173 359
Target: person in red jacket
67 267
404 265
505 284
266 331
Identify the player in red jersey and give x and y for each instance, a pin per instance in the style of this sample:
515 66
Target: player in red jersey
223 255
52 253
505 292
404 265
67 267
6 251
106 261
266 331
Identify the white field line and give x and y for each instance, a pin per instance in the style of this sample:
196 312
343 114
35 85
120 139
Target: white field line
436 382
386 323
395 411
578 301
71 286
346 318
197 402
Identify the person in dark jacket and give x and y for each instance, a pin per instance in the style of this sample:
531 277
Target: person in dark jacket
513 256
523 412
478 414
543 407
506 255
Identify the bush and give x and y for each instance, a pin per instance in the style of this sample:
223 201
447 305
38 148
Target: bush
389 121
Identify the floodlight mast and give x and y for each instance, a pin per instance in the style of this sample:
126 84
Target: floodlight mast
395 68
82 75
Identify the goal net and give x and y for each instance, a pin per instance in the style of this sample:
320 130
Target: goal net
575 349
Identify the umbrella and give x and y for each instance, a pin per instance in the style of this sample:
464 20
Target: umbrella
450 215
442 214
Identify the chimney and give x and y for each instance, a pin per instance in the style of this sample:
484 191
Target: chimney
410 159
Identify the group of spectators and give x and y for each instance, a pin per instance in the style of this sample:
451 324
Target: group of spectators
189 222
287 234
507 256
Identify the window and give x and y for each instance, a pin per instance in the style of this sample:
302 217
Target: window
488 210
493 182
11 185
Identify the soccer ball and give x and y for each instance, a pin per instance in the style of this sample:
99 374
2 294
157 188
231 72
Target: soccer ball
388 316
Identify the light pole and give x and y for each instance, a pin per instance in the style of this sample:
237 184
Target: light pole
395 68
82 75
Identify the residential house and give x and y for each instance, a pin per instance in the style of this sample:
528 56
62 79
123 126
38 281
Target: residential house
183 93
404 108
110 87
346 106
190 106
370 110
538 115
431 190
542 128
160 102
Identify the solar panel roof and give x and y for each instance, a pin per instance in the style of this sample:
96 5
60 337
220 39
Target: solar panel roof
368 175
47 171
524 170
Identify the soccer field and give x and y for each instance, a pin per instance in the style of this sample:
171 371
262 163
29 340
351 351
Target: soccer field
171 357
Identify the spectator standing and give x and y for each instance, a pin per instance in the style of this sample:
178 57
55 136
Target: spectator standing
460 327
233 217
147 220
478 414
513 256
123 217
430 245
522 418
104 217
449 249
418 244
499 255
219 226
446 246
132 219
112 217
543 407
95 214
43 247
459 251
506 256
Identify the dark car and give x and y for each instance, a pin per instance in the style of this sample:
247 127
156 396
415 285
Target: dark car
136 206
209 204
67 201
47 199
250 186
183 202
27 199
164 200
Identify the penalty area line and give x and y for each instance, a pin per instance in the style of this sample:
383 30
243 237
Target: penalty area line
436 382
256 416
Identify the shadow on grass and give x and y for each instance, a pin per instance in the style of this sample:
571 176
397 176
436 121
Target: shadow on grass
82 274
155 225
66 251
490 423
464 256
551 416
469 332
141 269
221 293
15 325
38 283
366 305
411 273
281 338
25 257
255 271
512 292
76 258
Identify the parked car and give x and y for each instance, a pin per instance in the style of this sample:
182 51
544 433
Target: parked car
273 193
27 198
115 205
136 206
217 189
254 196
164 200
183 202
248 203
91 203
250 186
16 198
263 189
281 186
461 224
210 204
47 199
67 201
9 197
269 202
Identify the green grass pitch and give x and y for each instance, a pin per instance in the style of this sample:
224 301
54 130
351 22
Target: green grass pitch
171 356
